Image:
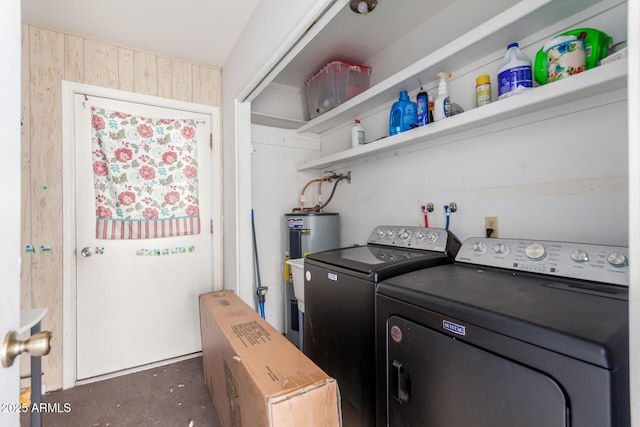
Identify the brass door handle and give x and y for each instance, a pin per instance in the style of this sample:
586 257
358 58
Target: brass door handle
38 344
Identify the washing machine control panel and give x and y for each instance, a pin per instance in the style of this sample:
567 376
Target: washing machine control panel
600 263
432 239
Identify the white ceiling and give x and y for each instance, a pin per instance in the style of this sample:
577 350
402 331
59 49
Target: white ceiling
202 31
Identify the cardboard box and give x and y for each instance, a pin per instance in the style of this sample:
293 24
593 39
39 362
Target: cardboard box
255 376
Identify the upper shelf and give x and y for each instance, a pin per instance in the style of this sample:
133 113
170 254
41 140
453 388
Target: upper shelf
597 81
275 121
514 24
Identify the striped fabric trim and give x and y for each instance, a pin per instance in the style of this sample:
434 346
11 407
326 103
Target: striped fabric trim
114 229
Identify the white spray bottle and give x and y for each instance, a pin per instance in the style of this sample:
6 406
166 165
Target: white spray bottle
441 105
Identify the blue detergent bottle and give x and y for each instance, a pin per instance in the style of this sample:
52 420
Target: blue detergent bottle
403 115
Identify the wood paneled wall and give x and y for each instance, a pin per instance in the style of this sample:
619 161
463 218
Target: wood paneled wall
48 57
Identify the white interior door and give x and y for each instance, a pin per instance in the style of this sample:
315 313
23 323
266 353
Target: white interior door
10 230
137 300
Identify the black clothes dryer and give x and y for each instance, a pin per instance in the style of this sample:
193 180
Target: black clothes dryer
514 333
339 325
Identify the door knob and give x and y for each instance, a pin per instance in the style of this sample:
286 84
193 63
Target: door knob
86 252
36 345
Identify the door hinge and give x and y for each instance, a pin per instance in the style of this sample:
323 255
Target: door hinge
210 140
211 224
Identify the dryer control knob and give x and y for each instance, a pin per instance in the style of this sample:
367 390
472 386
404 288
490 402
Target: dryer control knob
617 259
536 252
478 247
580 255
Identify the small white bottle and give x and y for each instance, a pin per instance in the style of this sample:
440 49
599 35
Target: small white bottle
441 105
357 134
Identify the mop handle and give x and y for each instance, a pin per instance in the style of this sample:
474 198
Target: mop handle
260 290
255 250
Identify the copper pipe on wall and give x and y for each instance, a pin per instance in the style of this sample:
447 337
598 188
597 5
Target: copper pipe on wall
318 207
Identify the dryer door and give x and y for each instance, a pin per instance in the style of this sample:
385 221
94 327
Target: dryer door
436 380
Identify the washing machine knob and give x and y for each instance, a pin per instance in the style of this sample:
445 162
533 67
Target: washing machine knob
478 247
432 237
404 234
617 259
381 232
536 251
419 235
580 255
500 248
391 233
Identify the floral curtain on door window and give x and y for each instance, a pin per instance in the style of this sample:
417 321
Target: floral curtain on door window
145 176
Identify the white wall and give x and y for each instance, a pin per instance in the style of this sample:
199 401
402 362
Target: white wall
275 189
272 29
557 179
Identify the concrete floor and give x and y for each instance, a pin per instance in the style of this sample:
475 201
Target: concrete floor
173 395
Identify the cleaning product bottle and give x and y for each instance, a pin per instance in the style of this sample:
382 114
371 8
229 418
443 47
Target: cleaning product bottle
422 101
441 106
483 90
514 72
357 134
403 115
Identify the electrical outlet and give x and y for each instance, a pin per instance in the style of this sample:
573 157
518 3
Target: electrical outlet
491 226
